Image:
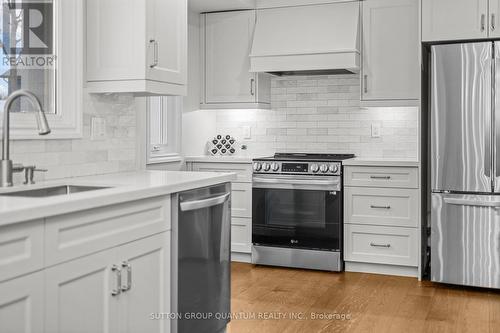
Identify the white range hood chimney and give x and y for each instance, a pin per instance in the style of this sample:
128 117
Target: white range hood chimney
313 39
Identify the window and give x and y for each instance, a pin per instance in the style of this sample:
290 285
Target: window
164 128
42 51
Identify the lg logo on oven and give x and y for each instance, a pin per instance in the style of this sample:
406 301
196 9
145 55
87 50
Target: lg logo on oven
294 241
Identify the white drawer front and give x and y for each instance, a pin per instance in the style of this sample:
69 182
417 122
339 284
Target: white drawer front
381 206
21 249
241 200
381 176
241 235
73 235
243 170
381 245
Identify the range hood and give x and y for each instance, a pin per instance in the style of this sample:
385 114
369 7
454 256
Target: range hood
313 39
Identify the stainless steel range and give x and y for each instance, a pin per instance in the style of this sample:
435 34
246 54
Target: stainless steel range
297 211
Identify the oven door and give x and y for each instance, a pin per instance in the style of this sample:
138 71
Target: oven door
297 212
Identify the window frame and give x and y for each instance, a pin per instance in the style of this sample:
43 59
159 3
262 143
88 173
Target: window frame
170 152
66 122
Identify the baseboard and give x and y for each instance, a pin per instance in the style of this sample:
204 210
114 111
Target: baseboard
241 257
362 267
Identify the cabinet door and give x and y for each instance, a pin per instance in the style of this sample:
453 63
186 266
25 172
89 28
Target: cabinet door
146 275
167 41
390 50
454 19
21 304
494 20
228 38
78 295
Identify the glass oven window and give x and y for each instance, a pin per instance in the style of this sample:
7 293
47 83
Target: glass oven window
295 208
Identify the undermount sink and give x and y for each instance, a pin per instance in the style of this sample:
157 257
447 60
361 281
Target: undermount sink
52 191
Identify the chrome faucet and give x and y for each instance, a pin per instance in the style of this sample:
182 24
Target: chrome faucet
6 166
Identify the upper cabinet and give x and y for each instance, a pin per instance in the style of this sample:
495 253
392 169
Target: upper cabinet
227 81
137 46
444 20
390 65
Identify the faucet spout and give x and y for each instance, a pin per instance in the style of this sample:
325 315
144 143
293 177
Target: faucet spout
43 129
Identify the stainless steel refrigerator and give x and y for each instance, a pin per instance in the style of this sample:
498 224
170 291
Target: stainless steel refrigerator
465 163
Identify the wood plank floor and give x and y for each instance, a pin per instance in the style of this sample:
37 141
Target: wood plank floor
369 303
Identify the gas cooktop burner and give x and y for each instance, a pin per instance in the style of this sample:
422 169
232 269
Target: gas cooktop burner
301 164
309 157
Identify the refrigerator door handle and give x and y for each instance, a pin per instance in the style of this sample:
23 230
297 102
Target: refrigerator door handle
472 202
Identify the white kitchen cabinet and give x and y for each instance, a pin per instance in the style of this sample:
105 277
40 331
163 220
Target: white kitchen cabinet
111 291
227 81
146 265
21 304
444 20
390 66
137 46
382 219
494 19
78 295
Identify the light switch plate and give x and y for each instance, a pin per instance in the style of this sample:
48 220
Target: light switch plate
376 130
247 132
98 128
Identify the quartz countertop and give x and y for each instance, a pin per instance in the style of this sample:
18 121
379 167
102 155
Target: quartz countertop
390 162
223 159
123 187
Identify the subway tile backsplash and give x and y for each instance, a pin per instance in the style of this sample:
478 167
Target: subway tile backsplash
81 157
323 114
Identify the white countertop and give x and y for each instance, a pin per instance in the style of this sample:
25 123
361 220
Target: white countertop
123 187
394 162
223 159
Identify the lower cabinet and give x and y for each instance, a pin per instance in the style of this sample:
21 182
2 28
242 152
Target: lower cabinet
115 290
21 304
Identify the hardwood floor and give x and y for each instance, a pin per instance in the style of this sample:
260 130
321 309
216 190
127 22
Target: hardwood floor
372 303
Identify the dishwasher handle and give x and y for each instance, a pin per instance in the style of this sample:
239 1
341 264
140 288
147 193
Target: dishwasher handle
204 203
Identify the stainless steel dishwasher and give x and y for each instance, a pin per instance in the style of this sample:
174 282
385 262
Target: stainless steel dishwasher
201 232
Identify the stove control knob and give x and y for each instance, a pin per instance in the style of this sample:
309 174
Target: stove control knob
257 166
323 168
314 168
334 168
266 166
275 166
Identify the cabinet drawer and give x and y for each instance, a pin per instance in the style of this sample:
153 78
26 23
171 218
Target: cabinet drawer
243 170
74 235
381 206
241 235
21 249
241 200
381 176
381 245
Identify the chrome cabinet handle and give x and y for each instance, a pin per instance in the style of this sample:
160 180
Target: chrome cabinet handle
155 53
252 83
118 272
493 26
380 207
380 245
483 22
380 177
365 84
128 268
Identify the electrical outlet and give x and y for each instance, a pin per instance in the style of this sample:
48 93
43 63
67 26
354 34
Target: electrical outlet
376 130
98 128
247 132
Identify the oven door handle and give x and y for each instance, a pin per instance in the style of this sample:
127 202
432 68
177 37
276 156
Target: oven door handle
285 183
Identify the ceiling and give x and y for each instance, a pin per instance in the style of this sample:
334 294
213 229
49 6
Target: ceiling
201 6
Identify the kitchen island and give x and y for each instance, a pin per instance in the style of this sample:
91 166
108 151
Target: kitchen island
93 261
